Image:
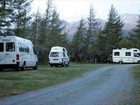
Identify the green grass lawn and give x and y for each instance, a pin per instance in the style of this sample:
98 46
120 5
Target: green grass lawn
136 91
17 82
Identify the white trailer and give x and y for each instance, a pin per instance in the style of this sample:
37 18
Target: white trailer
58 56
126 55
17 52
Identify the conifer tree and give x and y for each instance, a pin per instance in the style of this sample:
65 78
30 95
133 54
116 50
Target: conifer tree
5 16
35 29
13 16
136 35
112 31
78 45
56 35
21 17
91 36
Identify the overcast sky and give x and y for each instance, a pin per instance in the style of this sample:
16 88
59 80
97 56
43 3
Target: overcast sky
73 10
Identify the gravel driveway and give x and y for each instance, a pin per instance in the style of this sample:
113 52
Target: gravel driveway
109 85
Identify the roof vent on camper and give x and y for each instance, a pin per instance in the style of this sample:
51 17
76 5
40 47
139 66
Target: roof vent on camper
123 48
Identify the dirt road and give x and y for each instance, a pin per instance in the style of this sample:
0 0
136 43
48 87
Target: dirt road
106 86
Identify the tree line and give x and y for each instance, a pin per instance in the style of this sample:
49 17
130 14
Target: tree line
90 42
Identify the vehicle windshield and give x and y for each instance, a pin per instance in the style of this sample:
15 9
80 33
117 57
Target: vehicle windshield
136 54
54 54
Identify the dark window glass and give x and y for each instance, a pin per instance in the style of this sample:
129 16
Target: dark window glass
10 46
128 54
135 50
136 55
1 47
23 48
54 54
64 55
116 53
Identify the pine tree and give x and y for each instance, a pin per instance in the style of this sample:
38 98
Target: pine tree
21 17
35 28
56 35
13 16
112 31
136 35
91 36
5 16
78 45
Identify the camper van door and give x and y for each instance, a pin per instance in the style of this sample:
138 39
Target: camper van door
10 53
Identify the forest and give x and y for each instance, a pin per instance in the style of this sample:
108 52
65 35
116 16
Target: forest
90 43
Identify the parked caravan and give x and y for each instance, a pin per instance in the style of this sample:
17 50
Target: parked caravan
58 56
126 55
17 52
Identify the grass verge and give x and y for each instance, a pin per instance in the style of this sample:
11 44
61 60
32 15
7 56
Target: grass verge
136 90
17 82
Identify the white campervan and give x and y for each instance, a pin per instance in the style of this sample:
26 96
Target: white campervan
126 55
58 56
17 52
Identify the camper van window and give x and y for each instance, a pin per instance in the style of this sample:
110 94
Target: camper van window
10 46
135 50
64 50
116 53
54 54
1 47
128 54
23 48
136 55
64 55
27 49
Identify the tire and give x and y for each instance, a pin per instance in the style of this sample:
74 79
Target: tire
120 62
23 66
56 65
51 65
67 65
36 66
17 68
64 64
1 69
138 62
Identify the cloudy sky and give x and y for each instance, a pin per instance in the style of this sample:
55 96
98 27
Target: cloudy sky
72 10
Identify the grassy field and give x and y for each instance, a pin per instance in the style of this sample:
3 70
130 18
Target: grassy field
17 82
136 91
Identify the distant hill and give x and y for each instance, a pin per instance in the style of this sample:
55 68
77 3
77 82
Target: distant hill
130 21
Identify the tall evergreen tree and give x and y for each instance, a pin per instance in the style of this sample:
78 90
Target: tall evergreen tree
56 36
112 31
13 15
21 17
35 28
78 45
136 35
91 36
6 14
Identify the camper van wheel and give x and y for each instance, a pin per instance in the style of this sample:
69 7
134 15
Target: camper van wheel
139 62
51 65
23 66
120 62
1 69
67 65
36 66
17 68
64 64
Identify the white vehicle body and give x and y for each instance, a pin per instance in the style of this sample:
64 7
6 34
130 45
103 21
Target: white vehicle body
126 55
17 52
58 56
